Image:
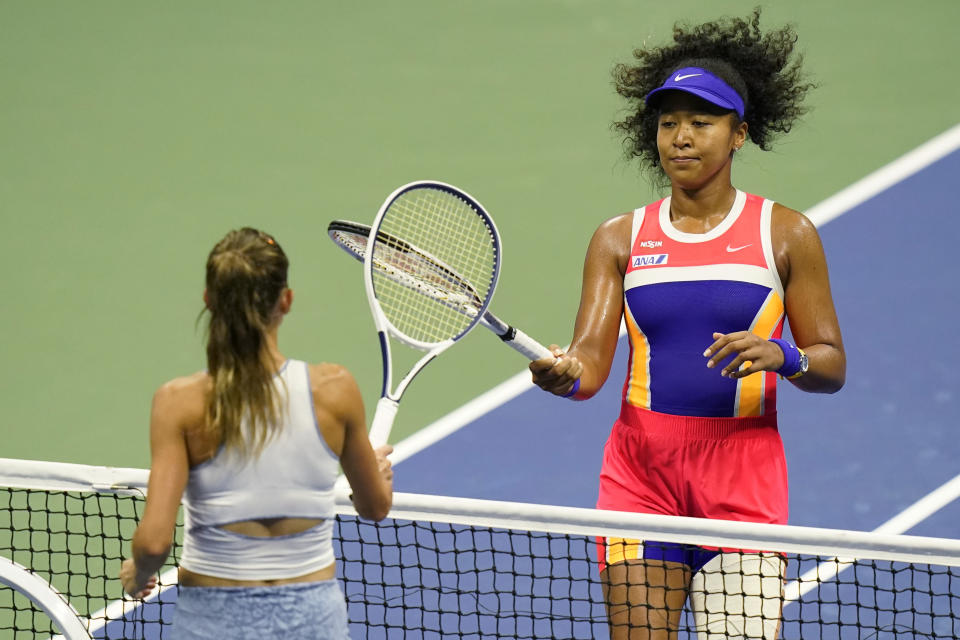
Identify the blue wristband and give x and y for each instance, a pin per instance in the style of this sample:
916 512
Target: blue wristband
791 358
573 391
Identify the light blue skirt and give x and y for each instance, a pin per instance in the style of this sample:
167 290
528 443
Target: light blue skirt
300 611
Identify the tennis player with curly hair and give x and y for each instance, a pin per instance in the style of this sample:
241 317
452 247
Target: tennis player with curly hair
253 446
704 280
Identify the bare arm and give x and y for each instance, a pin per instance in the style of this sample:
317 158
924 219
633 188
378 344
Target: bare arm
338 400
169 470
809 307
810 311
598 318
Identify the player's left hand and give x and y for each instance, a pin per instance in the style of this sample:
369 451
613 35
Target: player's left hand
384 464
752 352
133 585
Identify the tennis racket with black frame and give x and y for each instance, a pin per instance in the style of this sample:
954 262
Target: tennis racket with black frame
413 267
431 260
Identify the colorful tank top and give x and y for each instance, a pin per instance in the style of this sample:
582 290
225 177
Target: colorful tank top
679 289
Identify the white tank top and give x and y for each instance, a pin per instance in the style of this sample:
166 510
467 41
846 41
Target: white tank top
293 477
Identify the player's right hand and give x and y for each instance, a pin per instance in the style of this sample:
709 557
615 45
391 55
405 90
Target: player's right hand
135 585
557 374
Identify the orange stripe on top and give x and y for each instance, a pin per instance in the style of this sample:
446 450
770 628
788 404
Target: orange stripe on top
752 389
638 373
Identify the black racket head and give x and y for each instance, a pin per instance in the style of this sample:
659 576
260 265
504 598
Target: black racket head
449 241
408 265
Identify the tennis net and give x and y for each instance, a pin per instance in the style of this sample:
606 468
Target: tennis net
444 567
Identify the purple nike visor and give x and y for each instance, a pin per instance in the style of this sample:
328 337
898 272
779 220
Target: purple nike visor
702 84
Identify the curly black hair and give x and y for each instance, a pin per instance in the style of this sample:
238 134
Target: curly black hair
761 67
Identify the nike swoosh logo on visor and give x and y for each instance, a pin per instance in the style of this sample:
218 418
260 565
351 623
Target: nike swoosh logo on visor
679 77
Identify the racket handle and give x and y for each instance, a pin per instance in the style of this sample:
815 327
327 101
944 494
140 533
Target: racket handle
383 419
514 338
526 345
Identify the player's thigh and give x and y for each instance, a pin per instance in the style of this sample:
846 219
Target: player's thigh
645 598
738 595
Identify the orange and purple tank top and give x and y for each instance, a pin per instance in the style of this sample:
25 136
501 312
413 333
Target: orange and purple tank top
679 289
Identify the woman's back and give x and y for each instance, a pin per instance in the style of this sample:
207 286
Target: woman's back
235 506
254 444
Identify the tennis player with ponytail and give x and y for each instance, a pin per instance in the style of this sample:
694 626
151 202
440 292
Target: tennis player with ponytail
704 280
252 445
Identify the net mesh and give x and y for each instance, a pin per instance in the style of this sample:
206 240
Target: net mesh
474 569
75 540
421 579
449 274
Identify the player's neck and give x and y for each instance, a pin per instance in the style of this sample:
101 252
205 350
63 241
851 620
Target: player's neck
276 357
699 210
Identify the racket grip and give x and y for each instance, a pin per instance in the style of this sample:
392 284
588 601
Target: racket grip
383 418
526 345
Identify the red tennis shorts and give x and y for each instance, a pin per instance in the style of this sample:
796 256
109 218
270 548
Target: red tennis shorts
723 468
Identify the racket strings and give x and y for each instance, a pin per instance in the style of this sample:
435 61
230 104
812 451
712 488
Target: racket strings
411 267
420 270
456 255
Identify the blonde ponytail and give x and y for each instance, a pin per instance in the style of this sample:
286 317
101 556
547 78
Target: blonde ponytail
246 275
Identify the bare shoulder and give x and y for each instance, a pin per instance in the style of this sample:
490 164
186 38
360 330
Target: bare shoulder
616 228
184 390
790 225
333 386
611 241
183 401
327 377
337 402
796 241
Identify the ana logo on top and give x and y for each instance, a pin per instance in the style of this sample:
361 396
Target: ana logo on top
653 260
